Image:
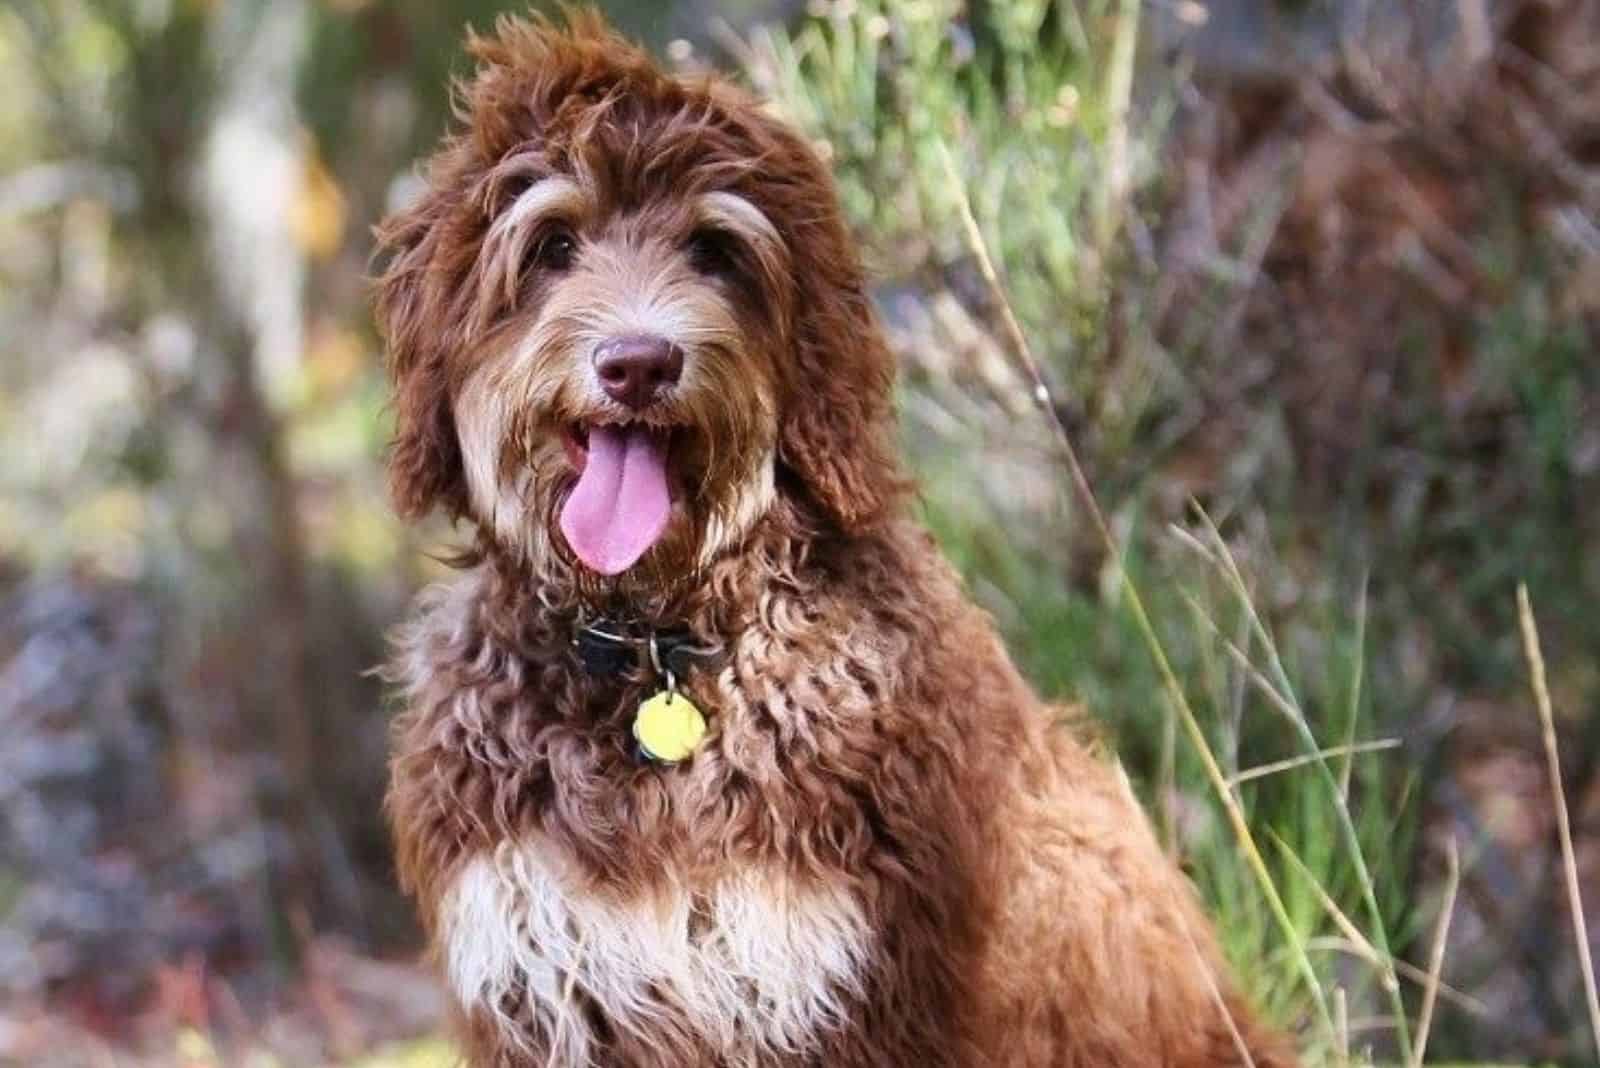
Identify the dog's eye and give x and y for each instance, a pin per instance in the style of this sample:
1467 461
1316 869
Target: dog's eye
555 251
711 252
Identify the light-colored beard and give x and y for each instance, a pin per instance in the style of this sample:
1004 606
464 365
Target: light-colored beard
532 380
726 526
518 475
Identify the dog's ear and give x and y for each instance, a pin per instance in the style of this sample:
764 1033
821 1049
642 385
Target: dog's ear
527 70
837 426
425 469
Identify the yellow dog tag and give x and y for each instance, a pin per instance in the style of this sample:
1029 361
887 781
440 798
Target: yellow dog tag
668 727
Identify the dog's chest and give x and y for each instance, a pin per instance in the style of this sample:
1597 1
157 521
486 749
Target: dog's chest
750 967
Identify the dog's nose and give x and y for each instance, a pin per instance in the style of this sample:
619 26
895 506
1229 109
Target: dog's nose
635 370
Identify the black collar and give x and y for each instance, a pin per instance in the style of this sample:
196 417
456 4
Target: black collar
609 647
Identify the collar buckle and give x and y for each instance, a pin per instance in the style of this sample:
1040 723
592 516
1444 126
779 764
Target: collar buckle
607 649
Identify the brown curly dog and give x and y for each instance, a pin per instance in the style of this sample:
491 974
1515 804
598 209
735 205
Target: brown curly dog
706 759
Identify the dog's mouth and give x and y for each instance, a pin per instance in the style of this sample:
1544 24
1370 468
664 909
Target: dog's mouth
622 501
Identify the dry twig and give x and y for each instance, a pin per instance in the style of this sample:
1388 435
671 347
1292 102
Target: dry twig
1569 863
1441 937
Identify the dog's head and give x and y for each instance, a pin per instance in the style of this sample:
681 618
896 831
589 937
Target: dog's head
625 318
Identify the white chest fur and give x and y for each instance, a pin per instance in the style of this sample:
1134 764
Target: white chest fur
751 964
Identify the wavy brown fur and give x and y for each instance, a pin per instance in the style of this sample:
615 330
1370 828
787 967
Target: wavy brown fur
957 878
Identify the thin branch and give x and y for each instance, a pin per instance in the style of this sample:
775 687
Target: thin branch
1239 1045
1407 971
1441 937
1341 1016
1261 771
1569 863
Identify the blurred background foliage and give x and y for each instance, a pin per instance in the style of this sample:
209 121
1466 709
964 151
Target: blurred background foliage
1325 273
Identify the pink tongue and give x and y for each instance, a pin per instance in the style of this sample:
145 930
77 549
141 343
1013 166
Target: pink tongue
620 505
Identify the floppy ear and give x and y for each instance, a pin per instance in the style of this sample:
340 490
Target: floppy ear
525 72
837 426
425 456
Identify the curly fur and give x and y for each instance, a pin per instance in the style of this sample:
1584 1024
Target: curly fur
887 851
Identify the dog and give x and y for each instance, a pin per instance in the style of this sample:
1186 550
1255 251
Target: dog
705 758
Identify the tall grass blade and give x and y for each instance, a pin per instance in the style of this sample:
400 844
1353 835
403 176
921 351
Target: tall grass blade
1042 396
1341 808
1441 938
1569 863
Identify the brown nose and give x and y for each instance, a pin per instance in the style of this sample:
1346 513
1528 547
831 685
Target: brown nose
637 369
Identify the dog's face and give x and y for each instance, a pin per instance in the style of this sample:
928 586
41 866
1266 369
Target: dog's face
622 405
625 319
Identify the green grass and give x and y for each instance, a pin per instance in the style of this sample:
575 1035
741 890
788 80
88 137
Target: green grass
1160 632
